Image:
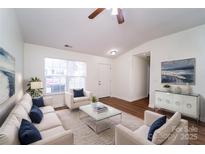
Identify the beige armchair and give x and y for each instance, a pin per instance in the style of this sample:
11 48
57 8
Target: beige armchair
173 132
73 103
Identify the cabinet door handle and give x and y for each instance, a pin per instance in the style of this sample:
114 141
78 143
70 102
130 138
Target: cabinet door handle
189 106
159 99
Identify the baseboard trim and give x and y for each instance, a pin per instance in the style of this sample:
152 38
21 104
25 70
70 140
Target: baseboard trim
129 101
121 98
139 99
105 97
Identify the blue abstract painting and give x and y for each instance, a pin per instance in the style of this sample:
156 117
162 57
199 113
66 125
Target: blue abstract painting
7 75
178 72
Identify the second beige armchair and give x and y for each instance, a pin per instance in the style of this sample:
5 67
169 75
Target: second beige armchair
75 102
173 132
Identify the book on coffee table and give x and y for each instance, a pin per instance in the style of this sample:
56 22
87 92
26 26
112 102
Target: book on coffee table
100 108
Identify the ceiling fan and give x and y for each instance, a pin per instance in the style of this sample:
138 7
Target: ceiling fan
115 11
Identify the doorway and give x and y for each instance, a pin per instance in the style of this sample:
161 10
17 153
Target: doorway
104 80
142 75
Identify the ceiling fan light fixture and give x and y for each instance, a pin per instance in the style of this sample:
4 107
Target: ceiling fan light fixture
114 11
113 52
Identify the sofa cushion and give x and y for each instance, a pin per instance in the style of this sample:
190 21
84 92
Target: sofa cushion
156 125
28 133
26 102
80 99
78 93
36 114
9 131
50 120
46 109
20 113
164 132
50 132
38 101
142 131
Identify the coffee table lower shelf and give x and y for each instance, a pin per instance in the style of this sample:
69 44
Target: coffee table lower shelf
98 126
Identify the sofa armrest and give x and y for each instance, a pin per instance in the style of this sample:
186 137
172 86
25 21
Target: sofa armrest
88 94
63 138
150 117
124 136
48 100
69 99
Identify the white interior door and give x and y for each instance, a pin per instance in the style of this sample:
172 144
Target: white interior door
104 80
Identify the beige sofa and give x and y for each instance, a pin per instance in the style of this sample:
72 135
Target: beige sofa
173 132
74 103
51 128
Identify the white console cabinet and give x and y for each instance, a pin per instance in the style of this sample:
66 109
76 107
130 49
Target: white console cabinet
188 105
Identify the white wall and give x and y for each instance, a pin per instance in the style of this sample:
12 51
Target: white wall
11 41
34 63
122 77
129 72
185 44
139 78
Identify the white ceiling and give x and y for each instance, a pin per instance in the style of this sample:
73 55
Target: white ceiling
56 27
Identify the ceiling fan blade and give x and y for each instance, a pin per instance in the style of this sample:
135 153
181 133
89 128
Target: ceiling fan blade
120 17
95 13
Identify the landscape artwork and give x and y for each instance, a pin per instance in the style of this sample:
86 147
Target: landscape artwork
7 75
179 72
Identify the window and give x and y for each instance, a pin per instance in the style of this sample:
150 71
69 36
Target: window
61 75
76 74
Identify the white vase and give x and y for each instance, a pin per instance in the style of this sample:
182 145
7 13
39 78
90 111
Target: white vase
166 89
177 90
187 89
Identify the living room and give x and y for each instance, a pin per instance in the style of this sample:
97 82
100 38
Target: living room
89 83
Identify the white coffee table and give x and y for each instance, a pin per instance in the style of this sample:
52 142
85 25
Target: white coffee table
97 120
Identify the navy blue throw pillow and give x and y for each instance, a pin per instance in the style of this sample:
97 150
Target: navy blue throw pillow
36 114
38 101
156 125
28 133
78 93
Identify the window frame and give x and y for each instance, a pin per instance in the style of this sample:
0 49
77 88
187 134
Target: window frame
66 76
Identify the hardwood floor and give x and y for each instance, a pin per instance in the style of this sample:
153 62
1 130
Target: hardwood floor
137 108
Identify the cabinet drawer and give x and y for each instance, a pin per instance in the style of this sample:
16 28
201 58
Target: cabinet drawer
189 106
168 101
158 100
164 100
178 103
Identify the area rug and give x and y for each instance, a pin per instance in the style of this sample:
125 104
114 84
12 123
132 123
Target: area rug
84 135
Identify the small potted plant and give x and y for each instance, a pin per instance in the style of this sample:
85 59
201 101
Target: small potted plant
94 99
34 92
167 87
